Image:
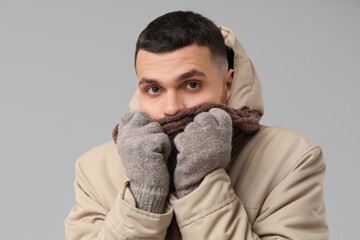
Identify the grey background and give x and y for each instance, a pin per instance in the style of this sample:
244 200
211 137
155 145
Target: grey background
66 72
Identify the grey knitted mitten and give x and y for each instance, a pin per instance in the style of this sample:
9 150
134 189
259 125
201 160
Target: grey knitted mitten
144 149
204 146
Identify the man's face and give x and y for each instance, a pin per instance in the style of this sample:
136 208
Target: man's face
184 78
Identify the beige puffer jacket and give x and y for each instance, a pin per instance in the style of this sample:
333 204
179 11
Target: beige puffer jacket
274 189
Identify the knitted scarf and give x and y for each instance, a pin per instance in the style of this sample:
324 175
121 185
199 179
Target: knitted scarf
245 124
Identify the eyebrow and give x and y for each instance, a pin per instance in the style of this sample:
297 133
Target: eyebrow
183 76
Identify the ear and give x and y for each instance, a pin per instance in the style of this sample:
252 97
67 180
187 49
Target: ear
228 81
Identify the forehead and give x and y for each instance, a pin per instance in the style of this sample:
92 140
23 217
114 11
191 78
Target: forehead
155 65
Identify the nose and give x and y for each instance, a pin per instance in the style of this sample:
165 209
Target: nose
173 103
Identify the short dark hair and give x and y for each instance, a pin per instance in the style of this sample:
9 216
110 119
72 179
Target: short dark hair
178 29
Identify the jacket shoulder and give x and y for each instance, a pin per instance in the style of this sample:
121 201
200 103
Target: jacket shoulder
280 147
280 134
101 173
97 154
267 158
278 141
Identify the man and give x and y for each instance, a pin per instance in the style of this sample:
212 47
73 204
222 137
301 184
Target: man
193 162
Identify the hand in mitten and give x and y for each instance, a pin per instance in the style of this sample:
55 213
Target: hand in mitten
204 146
144 149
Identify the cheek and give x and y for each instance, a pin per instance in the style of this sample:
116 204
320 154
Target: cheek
205 97
214 94
149 108
144 105
219 92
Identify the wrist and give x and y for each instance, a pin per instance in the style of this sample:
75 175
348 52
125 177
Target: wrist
149 198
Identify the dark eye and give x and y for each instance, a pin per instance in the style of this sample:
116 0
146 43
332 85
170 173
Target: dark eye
193 85
153 90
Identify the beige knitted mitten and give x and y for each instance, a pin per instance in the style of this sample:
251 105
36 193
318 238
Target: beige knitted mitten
144 149
204 146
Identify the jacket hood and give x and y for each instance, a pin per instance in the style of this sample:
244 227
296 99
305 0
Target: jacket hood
246 88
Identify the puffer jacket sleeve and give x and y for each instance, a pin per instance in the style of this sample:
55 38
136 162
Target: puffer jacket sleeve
90 220
294 209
